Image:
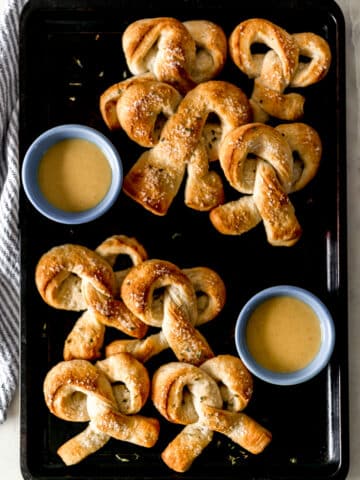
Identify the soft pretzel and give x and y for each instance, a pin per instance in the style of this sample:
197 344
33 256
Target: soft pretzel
206 399
175 311
278 68
155 178
73 277
140 106
78 391
269 178
87 336
176 53
210 294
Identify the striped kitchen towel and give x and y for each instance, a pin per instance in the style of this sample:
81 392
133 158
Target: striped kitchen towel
9 203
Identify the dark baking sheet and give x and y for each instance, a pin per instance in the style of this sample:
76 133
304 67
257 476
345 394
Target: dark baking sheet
70 52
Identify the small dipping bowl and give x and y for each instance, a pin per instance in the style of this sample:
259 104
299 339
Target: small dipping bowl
327 336
35 153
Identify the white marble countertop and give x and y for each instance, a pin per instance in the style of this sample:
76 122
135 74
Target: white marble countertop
9 431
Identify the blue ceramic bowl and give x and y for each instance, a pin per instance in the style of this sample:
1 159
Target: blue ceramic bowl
327 336
29 172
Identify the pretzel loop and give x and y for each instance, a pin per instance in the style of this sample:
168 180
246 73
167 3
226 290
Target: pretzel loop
140 106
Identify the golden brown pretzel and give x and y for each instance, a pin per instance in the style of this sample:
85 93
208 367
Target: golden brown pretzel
278 68
78 391
140 106
176 53
87 336
268 178
185 142
210 295
175 311
206 399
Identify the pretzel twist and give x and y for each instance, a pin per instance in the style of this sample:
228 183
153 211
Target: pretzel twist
78 391
188 141
210 294
268 178
73 277
176 53
140 106
175 311
278 68
206 399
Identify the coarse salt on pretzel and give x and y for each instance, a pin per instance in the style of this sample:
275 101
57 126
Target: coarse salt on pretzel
79 391
207 399
210 295
268 178
269 187
278 68
176 312
86 338
140 106
155 178
165 47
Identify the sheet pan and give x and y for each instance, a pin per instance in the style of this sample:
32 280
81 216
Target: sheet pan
70 51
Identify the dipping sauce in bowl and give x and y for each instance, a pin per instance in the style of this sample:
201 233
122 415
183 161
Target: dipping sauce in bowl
285 335
72 174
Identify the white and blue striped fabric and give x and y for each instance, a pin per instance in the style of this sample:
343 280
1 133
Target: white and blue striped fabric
9 203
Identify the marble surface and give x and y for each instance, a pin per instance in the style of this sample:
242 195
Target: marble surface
9 431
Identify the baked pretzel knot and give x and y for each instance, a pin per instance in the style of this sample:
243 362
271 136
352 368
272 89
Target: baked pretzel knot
189 140
207 399
181 54
175 310
73 277
210 295
78 391
258 160
278 68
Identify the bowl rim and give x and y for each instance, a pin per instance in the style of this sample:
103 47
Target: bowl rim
327 333
37 149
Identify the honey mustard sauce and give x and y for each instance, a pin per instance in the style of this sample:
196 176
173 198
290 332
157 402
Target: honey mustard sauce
74 175
283 334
